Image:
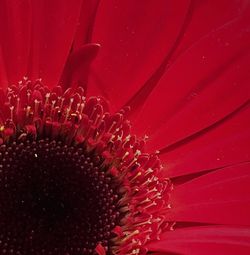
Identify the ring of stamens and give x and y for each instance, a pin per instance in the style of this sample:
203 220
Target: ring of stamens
129 193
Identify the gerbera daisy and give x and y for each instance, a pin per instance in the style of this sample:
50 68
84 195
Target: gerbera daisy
124 127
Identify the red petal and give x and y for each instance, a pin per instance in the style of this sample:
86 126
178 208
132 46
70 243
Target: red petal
203 17
86 21
15 31
36 37
216 240
205 84
54 24
76 69
207 16
3 74
135 38
219 197
225 144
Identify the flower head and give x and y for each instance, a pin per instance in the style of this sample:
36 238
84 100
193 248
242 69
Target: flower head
77 175
129 132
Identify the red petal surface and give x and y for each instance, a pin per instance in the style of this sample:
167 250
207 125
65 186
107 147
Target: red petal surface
208 15
225 144
54 24
135 38
203 17
15 33
3 74
205 84
76 69
36 37
216 240
219 197
85 25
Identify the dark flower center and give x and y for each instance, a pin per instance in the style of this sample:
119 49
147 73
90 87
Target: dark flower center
73 179
54 199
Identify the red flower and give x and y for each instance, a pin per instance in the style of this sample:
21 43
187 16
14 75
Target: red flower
76 177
